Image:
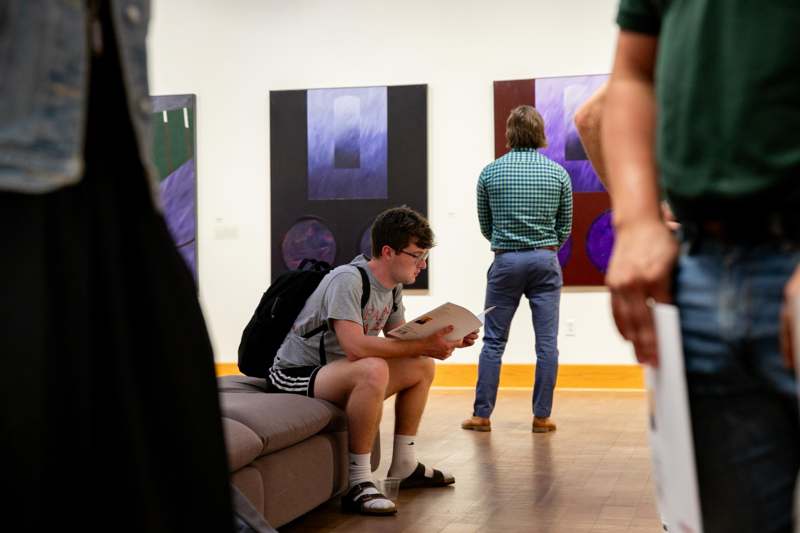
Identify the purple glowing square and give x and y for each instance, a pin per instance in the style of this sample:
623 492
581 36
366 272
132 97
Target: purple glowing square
308 238
178 198
600 241
565 252
347 143
557 99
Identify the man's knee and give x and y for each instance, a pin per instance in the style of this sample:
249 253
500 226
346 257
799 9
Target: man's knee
374 373
428 368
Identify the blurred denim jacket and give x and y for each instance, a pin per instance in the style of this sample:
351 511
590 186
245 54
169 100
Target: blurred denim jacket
44 69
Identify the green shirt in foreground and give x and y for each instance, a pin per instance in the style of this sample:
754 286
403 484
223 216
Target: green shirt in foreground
524 201
728 92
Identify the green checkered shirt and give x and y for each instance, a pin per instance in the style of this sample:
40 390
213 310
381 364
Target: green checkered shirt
524 201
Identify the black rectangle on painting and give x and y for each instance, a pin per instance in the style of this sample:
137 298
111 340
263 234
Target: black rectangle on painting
346 220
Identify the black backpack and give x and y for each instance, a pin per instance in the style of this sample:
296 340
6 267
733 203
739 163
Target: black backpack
277 311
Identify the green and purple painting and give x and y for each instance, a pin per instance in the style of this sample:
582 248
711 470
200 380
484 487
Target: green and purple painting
173 124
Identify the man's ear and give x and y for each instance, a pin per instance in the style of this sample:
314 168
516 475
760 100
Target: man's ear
387 251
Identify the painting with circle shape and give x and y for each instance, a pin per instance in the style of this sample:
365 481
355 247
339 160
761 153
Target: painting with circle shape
339 157
173 126
584 256
600 241
308 238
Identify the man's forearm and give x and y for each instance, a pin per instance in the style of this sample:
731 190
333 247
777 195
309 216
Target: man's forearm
628 146
385 348
588 120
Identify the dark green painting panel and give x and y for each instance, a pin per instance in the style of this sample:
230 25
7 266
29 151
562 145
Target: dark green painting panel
173 142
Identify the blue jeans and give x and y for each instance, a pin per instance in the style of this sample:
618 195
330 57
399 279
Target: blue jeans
742 398
537 275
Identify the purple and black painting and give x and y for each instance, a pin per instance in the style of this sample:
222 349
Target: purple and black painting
347 143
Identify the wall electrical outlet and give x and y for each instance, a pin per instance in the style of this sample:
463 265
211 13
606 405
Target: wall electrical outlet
569 328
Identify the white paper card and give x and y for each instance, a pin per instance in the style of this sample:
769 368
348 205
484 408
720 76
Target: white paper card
449 314
671 443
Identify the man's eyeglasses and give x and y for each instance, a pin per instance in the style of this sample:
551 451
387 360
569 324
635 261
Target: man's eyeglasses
420 257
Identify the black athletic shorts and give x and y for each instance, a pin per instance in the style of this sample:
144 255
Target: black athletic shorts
295 380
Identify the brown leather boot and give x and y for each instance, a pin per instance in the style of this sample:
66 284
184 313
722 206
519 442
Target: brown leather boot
477 423
542 425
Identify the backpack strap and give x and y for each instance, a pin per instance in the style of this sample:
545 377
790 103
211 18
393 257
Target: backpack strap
365 287
365 293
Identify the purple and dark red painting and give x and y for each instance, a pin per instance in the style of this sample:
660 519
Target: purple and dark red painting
174 157
584 256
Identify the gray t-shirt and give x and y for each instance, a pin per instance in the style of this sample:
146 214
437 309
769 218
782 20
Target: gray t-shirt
338 297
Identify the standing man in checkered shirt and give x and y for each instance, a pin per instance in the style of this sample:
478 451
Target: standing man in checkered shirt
525 212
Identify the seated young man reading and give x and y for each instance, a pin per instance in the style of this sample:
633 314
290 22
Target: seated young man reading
363 369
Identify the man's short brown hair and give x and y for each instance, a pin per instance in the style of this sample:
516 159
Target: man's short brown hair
525 128
398 227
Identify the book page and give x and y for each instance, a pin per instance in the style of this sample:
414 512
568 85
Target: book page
463 321
671 442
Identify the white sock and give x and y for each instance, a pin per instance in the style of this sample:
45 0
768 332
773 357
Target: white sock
404 456
360 468
361 471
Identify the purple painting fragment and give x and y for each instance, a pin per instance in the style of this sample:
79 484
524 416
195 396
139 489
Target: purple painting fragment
189 254
178 198
365 246
557 99
308 238
346 131
347 143
600 241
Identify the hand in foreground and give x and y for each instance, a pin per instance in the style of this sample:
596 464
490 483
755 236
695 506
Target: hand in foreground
640 268
468 340
791 306
437 346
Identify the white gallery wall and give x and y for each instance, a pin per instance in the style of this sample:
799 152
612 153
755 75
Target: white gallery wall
232 53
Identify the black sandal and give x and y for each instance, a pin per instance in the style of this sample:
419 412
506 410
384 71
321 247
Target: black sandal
351 504
417 479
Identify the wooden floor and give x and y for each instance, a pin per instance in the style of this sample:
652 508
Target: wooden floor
592 475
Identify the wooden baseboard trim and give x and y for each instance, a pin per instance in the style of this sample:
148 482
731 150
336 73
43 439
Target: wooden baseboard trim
516 376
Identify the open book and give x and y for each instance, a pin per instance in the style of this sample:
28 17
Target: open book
463 321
